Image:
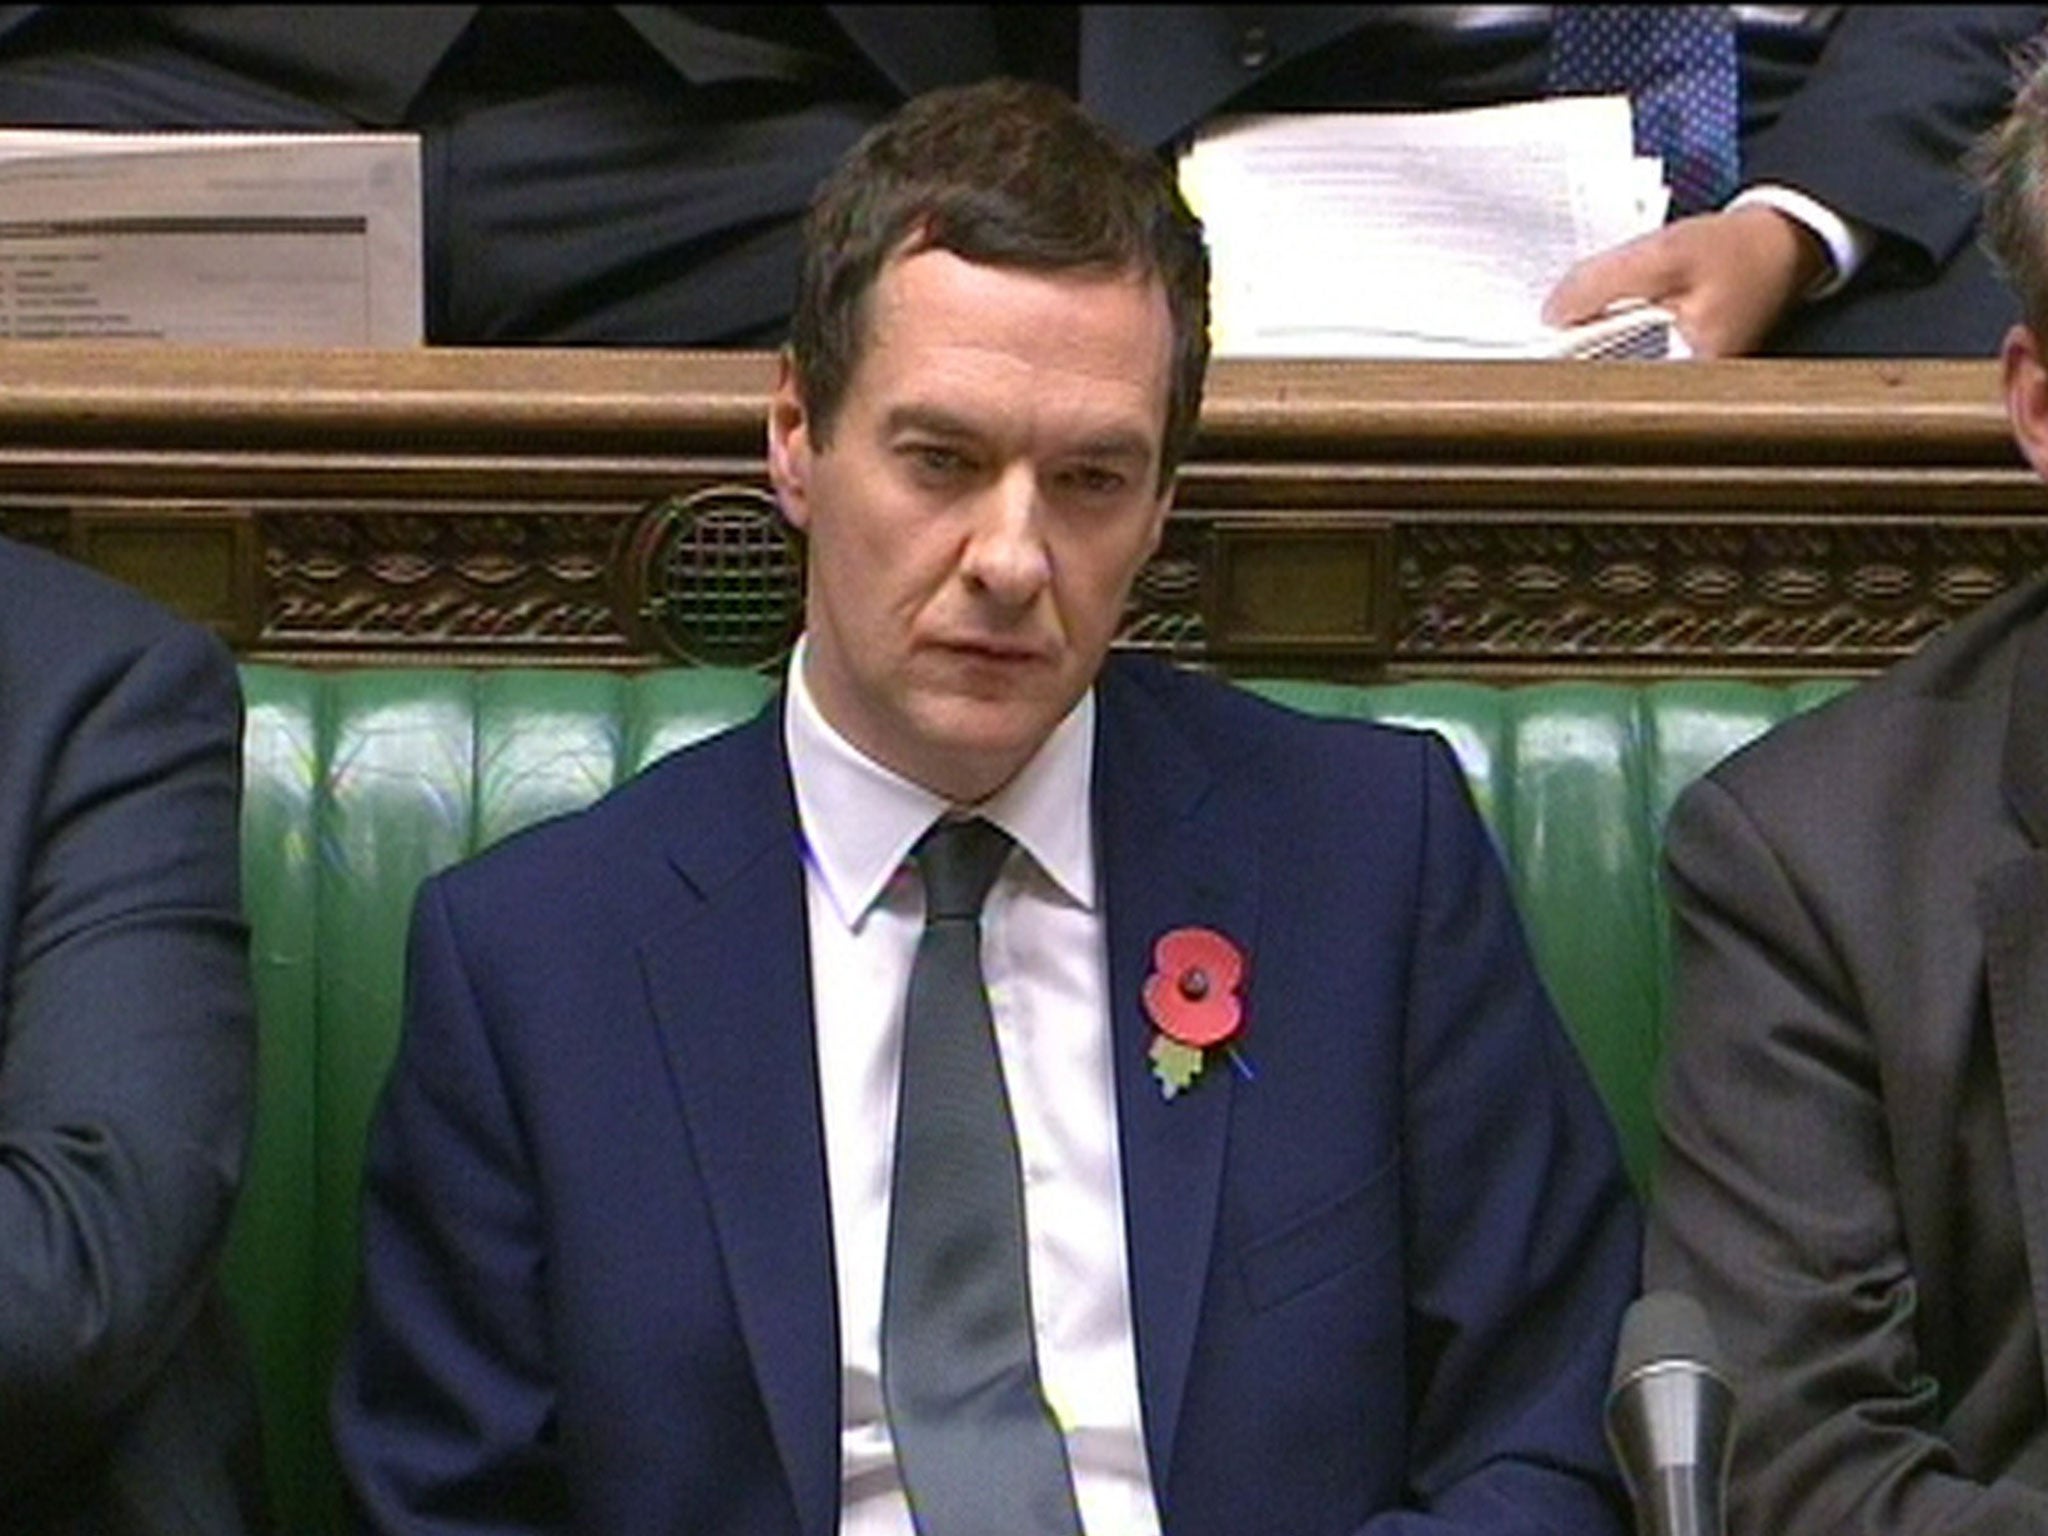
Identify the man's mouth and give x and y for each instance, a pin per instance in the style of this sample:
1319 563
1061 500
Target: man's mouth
1000 652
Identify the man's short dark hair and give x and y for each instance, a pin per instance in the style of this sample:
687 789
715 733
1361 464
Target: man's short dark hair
1008 174
2011 166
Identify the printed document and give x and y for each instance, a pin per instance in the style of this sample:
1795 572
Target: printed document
236 238
1421 234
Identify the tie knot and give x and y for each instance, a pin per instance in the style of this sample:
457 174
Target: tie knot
959 860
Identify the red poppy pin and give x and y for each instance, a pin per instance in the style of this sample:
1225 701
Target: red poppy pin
1192 998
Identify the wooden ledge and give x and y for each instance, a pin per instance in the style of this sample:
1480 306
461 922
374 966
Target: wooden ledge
1355 520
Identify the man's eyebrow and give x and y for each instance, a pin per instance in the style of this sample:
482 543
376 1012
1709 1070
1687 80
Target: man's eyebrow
1116 444
1129 445
927 418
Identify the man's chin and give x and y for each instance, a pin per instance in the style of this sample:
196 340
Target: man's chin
981 743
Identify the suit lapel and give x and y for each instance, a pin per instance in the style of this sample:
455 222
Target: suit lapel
2014 905
1169 862
730 990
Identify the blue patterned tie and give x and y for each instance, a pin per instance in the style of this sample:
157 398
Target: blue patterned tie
1677 65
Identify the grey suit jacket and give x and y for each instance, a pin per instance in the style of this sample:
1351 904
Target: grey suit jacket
1854 1157
126 1065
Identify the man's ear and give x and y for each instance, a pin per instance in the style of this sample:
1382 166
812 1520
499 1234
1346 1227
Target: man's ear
1160 512
2026 394
789 445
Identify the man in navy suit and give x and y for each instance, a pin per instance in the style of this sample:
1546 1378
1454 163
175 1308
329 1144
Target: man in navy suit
127 1065
1338 1242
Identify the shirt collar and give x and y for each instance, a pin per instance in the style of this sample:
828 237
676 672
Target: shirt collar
860 820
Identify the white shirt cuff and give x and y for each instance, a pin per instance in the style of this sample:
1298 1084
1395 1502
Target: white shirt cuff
1848 245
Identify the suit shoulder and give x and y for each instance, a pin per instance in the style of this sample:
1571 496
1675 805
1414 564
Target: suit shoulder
40 582
68 634
1242 723
712 793
1929 721
1279 767
49 595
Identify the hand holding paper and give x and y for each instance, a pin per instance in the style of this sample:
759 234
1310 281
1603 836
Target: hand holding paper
1727 278
1421 234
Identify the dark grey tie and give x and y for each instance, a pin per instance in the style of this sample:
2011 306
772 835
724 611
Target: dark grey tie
977 1446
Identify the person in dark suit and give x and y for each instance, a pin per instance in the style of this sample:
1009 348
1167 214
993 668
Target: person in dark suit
1326 1228
634 175
1853 122
1852 1122
1854 230
127 1059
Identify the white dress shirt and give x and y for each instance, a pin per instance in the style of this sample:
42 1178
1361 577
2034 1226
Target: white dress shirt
1848 243
1046 965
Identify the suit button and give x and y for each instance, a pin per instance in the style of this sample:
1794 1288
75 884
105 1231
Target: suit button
1254 48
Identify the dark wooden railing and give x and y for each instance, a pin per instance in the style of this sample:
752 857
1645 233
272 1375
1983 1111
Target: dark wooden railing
1352 520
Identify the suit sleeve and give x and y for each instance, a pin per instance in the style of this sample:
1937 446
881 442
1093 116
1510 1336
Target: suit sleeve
444 1405
1879 129
1777 1210
1523 1230
127 1044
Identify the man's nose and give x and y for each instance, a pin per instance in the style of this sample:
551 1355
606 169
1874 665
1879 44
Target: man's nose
1006 554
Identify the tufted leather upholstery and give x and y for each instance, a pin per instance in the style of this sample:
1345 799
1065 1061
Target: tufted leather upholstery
360 783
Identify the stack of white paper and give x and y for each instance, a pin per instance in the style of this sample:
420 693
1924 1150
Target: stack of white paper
269 239
1420 234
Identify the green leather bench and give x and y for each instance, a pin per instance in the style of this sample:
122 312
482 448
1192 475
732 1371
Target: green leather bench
359 783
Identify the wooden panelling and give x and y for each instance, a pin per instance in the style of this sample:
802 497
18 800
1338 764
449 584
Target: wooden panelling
1355 520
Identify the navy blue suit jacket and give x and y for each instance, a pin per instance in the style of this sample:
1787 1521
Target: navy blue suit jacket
1382 1275
127 1065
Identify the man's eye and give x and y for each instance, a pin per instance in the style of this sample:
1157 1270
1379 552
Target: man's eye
935 459
1094 480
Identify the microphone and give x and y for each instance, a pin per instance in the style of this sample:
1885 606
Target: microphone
1669 1412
